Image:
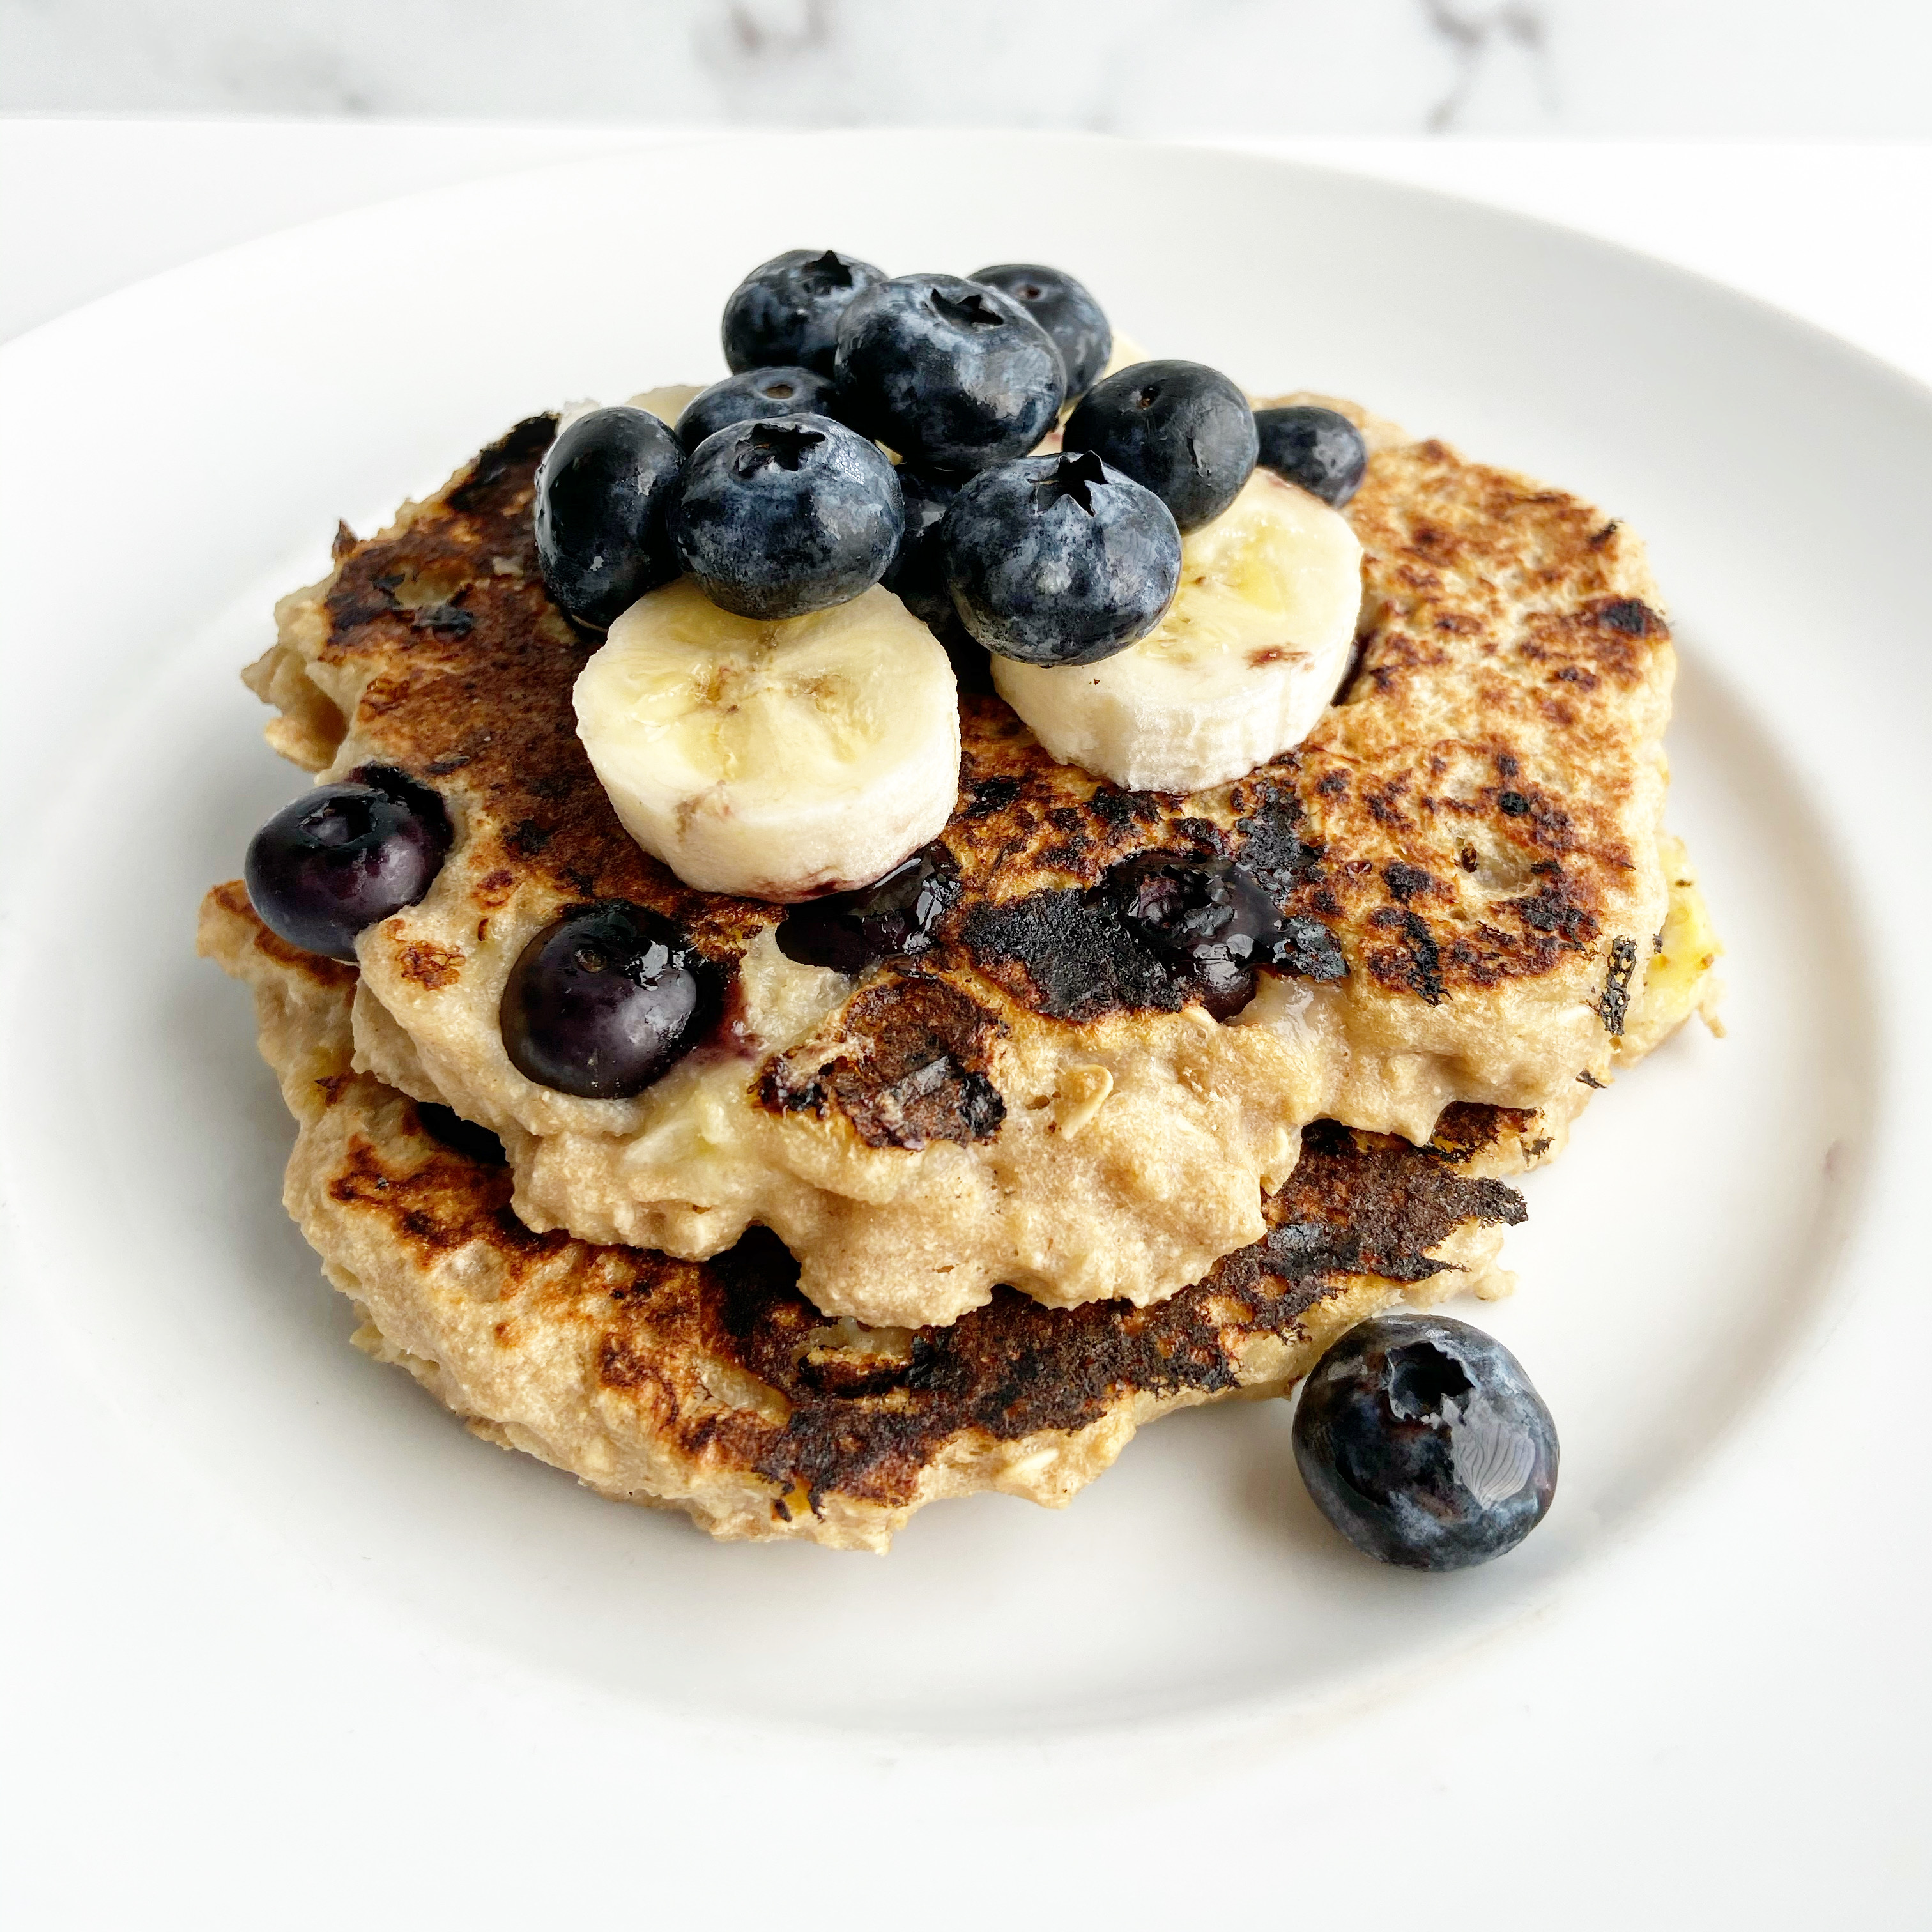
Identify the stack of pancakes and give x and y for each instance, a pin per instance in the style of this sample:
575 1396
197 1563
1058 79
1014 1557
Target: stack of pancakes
967 1221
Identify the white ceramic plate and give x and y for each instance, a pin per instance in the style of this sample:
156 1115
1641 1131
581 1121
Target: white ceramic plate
334 1578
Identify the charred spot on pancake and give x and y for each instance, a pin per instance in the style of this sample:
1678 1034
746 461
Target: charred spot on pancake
1270 842
1466 1128
1614 1007
1069 954
1308 950
992 795
1556 909
1406 882
502 477
1633 616
909 1067
1073 954
1414 967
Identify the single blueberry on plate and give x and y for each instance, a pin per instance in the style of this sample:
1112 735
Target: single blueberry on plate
606 1000
1181 428
778 518
1208 920
892 917
953 375
1062 307
1320 449
917 575
785 312
340 858
604 490
1422 1441
1059 560
757 395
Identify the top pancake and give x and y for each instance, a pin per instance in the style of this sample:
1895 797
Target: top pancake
1032 1102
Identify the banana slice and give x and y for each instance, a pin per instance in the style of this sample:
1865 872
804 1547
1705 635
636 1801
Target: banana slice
1244 662
667 403
780 760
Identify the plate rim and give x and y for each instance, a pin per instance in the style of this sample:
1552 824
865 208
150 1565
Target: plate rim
1873 367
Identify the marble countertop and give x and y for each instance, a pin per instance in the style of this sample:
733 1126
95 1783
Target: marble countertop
1159 68
1836 233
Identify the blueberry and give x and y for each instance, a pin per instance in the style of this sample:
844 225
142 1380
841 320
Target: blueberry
1181 428
1422 1441
1059 560
343 856
917 577
777 518
1063 308
604 490
606 1000
786 313
1209 921
952 375
1320 449
895 915
758 395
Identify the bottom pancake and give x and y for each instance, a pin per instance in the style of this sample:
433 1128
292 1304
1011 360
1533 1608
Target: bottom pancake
716 1388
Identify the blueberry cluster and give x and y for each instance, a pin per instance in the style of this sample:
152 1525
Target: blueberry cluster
773 491
773 488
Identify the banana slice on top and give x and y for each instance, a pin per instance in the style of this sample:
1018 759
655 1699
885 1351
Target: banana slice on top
780 760
1244 662
668 401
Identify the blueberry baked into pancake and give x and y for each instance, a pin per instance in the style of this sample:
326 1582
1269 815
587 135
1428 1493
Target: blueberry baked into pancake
868 928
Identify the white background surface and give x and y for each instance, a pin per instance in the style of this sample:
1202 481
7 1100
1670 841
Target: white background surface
190 1787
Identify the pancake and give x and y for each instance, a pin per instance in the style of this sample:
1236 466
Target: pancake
717 1389
1473 830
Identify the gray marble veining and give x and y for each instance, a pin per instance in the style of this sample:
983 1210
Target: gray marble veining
1173 67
